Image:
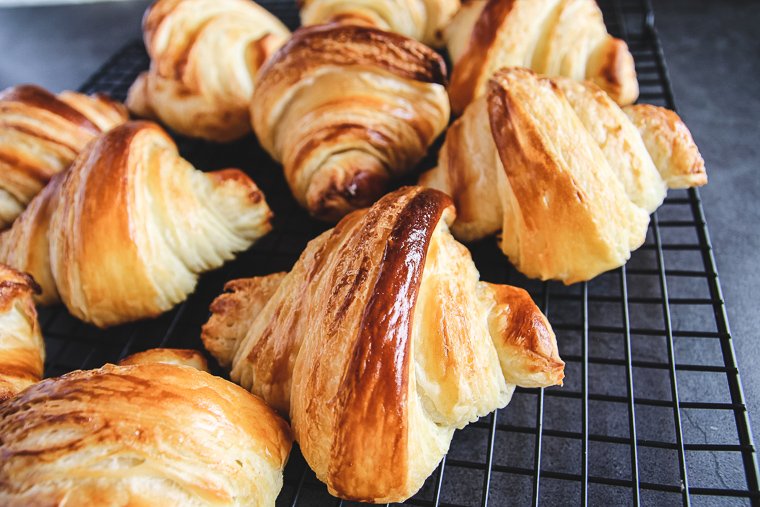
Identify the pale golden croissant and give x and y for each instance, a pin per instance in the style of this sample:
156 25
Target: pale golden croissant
40 134
22 351
380 343
562 172
124 233
347 109
149 434
552 37
204 58
422 20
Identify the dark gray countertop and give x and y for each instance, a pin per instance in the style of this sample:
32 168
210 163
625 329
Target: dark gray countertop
712 49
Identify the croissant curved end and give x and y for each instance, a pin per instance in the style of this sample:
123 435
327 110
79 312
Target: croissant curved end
524 339
233 312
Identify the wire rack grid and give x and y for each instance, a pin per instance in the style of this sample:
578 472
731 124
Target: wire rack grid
652 411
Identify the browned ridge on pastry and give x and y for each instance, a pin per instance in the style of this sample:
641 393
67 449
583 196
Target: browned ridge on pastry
553 37
380 342
147 434
204 57
22 351
41 134
423 21
125 232
562 172
346 110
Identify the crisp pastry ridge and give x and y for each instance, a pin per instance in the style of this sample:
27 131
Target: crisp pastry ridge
125 232
41 134
380 342
204 58
22 351
552 37
565 175
145 434
423 21
346 110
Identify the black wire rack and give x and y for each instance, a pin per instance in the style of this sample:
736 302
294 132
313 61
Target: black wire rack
652 411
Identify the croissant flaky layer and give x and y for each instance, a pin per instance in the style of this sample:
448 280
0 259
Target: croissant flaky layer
204 57
553 37
380 342
40 134
148 434
421 20
567 176
347 109
124 233
22 351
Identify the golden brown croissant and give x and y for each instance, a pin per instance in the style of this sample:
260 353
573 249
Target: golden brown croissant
187 357
346 109
204 58
552 37
124 233
22 351
40 134
149 434
380 343
421 20
562 172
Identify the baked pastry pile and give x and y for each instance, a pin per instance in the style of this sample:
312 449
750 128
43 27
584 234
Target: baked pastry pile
553 37
130 213
204 58
346 110
380 342
565 175
40 134
422 20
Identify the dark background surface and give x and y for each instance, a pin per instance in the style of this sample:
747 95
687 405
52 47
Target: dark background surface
713 53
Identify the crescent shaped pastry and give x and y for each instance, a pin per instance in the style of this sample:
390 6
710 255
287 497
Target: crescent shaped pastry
125 232
552 37
565 175
421 20
41 134
346 110
380 342
204 58
22 351
148 434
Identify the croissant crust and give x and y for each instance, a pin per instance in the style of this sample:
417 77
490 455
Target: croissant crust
41 134
380 343
125 232
148 434
22 351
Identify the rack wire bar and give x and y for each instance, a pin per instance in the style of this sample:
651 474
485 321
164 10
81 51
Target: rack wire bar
652 411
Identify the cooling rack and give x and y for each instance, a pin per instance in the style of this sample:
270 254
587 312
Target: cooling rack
652 411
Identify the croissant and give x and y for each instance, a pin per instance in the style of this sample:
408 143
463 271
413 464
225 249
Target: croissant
566 175
148 434
124 233
40 134
204 57
187 357
380 343
347 109
22 351
423 21
552 37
